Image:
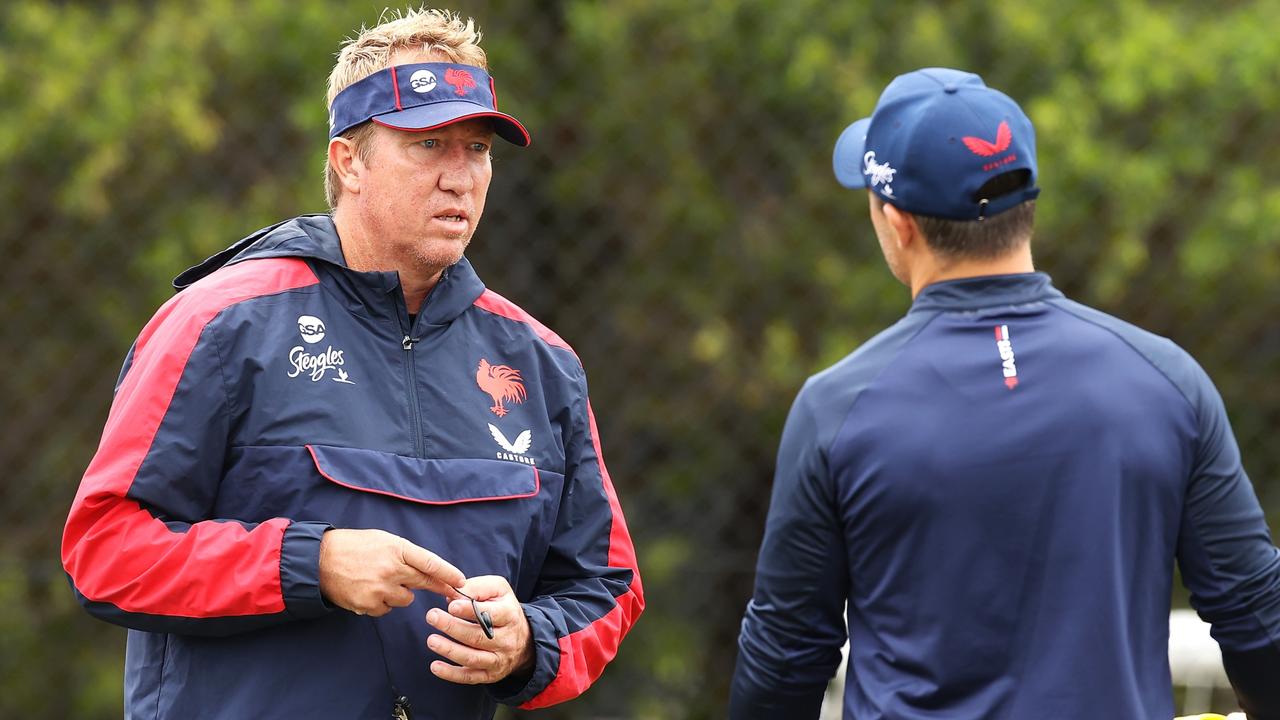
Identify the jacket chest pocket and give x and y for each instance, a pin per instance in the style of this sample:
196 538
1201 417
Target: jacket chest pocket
484 516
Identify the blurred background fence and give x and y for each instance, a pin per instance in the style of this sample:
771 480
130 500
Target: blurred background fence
676 220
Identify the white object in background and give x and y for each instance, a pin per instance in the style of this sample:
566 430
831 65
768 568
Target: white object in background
1195 660
1194 656
833 701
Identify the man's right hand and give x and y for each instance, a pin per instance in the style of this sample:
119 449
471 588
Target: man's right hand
371 571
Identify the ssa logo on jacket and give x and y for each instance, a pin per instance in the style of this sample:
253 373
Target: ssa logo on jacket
301 360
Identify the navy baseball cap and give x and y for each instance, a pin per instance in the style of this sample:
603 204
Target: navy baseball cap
935 138
423 96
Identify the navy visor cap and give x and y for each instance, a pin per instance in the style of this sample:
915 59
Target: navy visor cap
423 96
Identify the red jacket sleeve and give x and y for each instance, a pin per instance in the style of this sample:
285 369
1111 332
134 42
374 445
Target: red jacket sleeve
588 594
591 593
140 546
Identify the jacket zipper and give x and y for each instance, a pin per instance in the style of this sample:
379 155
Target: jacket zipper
411 378
407 343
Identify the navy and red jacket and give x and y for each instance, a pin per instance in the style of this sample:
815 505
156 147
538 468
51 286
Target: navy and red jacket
998 485
281 394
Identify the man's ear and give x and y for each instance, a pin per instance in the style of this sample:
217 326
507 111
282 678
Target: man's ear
346 164
905 230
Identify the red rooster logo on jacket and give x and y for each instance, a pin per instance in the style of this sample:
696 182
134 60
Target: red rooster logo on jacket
502 383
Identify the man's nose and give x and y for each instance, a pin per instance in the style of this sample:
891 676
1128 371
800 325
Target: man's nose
455 174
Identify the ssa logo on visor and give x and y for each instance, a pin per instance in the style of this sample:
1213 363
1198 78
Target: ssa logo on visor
423 81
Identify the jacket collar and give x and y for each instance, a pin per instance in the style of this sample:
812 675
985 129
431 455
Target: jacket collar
987 291
314 238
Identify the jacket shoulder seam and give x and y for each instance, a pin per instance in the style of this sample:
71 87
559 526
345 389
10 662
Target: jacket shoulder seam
1136 350
494 304
844 417
228 404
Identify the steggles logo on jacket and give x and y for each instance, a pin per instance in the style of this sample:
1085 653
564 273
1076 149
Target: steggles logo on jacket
301 361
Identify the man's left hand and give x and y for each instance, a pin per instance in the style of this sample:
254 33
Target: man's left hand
479 660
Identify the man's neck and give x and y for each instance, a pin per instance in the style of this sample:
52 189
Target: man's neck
362 254
936 270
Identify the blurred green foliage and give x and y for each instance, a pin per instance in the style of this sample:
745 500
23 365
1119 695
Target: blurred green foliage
676 220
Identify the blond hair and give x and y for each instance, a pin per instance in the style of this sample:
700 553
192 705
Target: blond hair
435 31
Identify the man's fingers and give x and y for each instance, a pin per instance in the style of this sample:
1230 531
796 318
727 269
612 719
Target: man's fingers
368 570
463 655
433 566
399 597
482 659
464 631
460 675
494 595
376 611
462 608
486 587
500 613
413 578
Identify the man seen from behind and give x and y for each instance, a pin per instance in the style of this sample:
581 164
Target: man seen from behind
998 485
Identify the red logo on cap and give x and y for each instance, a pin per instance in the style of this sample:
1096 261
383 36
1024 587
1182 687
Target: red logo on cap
461 81
978 146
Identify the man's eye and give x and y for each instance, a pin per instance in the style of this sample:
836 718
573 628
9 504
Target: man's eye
480 147
430 143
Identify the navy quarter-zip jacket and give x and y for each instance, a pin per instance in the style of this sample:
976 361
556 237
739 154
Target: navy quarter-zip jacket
998 485
280 394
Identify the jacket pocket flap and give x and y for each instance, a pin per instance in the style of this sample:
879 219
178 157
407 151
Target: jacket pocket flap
425 480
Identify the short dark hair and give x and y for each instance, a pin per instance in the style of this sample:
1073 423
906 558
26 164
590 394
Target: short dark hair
986 238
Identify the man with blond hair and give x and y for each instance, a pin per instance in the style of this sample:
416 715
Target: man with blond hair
340 478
